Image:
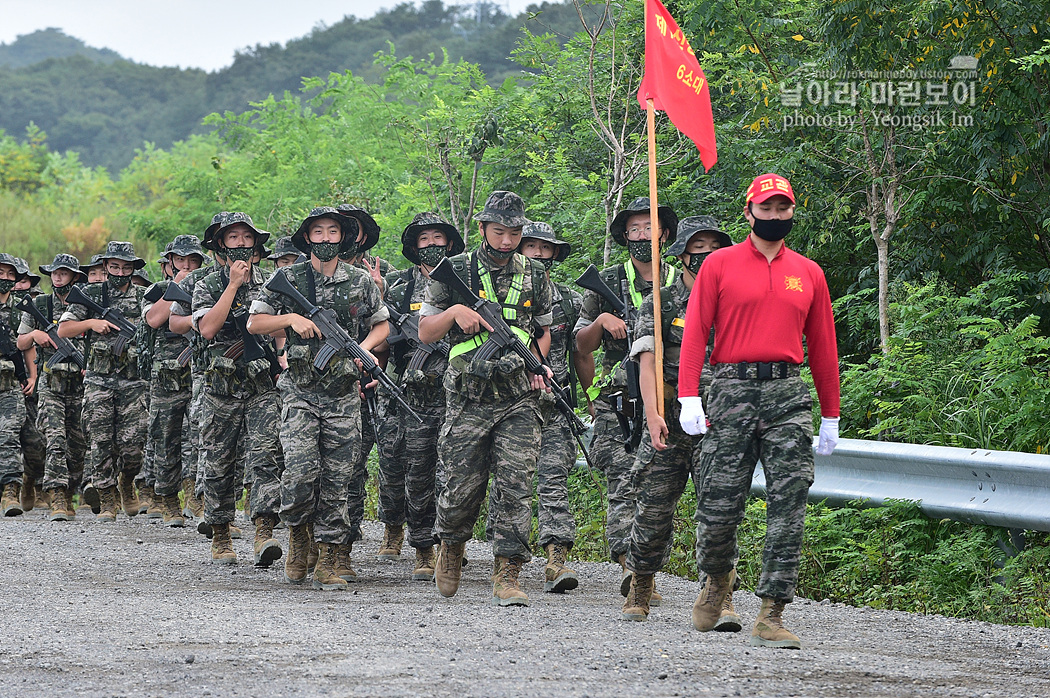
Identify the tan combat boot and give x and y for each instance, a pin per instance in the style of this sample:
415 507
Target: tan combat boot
9 501
191 505
126 485
267 549
449 567
343 570
655 598
27 497
505 588
298 547
558 577
729 621
153 501
424 571
58 505
311 552
235 532
107 505
636 605
769 628
173 517
325 577
146 499
707 608
393 539
71 513
221 545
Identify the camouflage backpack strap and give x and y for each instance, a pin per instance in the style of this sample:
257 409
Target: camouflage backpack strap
668 316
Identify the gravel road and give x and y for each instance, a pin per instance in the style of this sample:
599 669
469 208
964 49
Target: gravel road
135 609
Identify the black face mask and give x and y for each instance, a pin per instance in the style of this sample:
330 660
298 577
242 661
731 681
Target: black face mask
642 250
695 260
61 290
547 262
772 230
324 251
6 285
239 254
431 255
116 281
498 254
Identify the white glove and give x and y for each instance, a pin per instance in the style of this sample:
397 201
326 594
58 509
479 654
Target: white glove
692 419
829 435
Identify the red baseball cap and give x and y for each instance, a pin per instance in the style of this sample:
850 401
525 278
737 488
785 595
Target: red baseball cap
767 185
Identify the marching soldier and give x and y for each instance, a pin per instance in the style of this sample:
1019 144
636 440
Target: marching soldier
34 449
114 396
600 326
321 410
284 252
408 452
14 386
61 390
494 416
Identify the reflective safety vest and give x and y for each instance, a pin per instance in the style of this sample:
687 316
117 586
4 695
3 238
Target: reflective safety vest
510 312
636 296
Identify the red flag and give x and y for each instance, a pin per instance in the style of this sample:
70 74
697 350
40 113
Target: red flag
674 81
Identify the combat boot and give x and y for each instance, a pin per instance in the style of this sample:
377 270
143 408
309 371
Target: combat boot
769 628
9 501
126 485
27 497
311 552
267 549
325 578
107 505
449 567
235 532
191 505
393 539
636 605
505 588
424 571
729 621
145 494
707 608
173 517
221 545
559 577
625 584
92 498
71 513
299 543
343 570
153 501
58 505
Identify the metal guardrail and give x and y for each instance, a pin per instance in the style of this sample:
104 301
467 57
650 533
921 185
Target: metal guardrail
993 488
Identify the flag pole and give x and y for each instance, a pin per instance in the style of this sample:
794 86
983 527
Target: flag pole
654 224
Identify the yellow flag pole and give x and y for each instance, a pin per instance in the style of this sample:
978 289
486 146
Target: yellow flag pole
654 224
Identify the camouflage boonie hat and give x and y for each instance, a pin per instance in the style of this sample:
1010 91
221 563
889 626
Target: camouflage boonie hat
688 227
124 251
96 261
666 214
141 278
64 261
184 246
225 220
427 221
365 221
537 230
283 248
505 208
347 225
6 258
22 267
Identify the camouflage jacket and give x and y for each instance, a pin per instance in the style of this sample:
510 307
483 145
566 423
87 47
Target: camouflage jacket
566 306
51 307
405 292
104 367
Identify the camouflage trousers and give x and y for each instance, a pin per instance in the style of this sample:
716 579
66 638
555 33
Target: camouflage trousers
60 422
659 478
321 435
609 456
769 420
169 422
239 433
557 458
34 448
355 496
12 415
147 472
117 422
407 469
479 439
196 470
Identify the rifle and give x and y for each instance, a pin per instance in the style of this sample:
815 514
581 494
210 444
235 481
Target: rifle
337 340
153 293
64 349
502 337
628 408
174 293
407 326
125 330
10 351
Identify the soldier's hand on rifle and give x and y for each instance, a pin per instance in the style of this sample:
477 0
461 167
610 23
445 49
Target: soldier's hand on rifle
470 321
304 327
540 381
99 326
613 325
42 338
27 388
239 272
657 430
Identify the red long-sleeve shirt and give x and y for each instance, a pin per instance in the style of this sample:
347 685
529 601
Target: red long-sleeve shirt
760 311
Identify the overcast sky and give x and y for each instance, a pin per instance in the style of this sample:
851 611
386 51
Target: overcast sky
187 33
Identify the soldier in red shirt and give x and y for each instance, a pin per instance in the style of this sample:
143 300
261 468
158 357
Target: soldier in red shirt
762 299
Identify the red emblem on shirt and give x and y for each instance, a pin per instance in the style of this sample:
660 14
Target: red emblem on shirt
793 283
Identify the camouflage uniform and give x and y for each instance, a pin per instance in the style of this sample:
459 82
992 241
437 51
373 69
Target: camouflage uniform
12 402
493 420
239 411
61 391
320 414
114 396
34 450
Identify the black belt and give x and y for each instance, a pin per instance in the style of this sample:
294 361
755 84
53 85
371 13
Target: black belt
762 370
